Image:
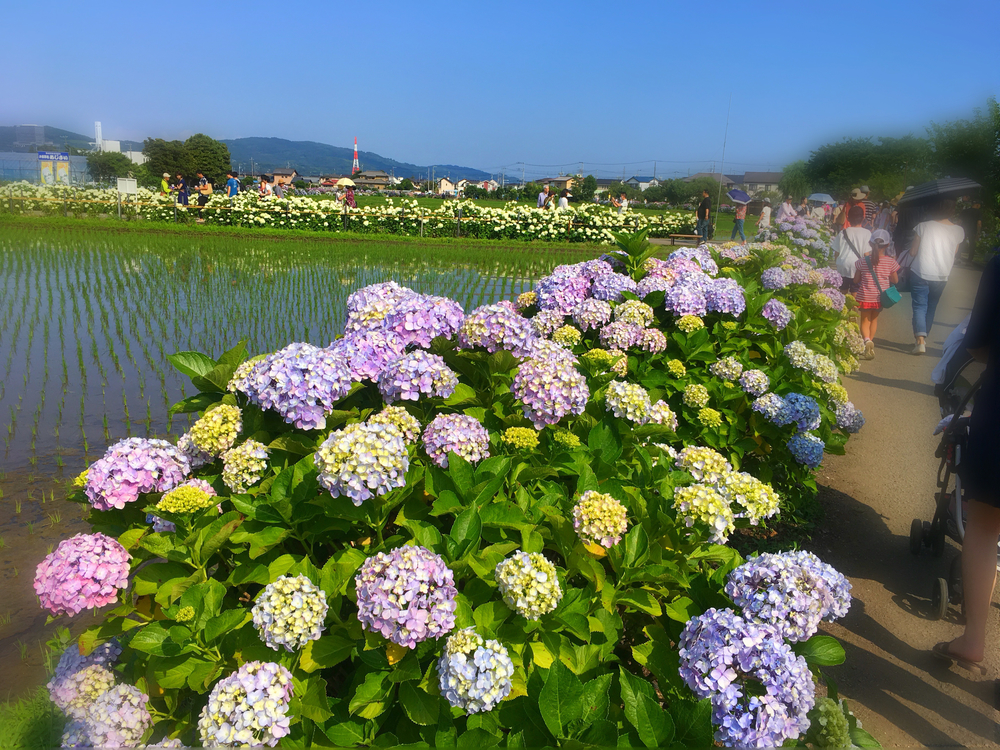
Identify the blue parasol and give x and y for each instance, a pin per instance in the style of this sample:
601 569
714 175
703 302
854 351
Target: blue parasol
822 198
738 196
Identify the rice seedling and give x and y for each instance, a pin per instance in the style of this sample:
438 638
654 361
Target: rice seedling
5 618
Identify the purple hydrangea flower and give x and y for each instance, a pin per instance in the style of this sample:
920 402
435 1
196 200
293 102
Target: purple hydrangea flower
368 307
777 313
415 374
591 269
562 290
652 340
791 591
620 335
549 389
831 277
474 673
725 296
591 313
699 255
807 449
301 382
775 278
384 290
407 595
131 467
543 349
494 327
546 322
755 382
761 691
836 297
849 418
79 679
249 707
83 572
457 433
362 461
369 353
654 283
421 318
609 286
687 296
118 718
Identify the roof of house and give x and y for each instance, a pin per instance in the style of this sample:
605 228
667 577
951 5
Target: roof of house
284 172
638 178
605 182
373 173
560 178
766 177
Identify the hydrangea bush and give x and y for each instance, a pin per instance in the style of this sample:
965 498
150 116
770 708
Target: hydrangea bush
477 529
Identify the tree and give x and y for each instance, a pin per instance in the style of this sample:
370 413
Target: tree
105 166
795 181
405 184
208 156
886 166
167 156
585 189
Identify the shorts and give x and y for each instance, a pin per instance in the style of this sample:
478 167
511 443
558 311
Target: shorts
869 305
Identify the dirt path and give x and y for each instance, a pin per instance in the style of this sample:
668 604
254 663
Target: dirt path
870 496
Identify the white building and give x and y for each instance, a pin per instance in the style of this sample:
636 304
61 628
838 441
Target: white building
642 182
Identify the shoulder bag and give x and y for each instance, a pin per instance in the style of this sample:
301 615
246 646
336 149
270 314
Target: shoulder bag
886 297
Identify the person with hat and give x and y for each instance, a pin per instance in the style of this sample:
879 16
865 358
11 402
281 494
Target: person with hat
857 199
764 222
564 197
165 188
786 211
871 207
874 274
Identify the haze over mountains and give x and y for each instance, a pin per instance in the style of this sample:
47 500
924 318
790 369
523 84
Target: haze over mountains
307 157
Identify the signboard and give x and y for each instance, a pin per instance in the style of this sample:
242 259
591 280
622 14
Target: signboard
127 186
54 167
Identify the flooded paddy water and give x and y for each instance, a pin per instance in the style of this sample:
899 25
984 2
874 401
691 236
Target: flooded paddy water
87 320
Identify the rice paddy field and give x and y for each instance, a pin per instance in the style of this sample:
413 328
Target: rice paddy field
88 317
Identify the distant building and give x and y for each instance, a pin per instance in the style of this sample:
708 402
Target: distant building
372 179
136 157
329 180
760 182
558 183
29 135
282 176
311 179
445 187
642 182
605 184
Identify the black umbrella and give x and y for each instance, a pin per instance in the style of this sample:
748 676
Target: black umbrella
946 187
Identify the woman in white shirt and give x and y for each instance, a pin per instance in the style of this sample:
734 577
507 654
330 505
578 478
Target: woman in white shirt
564 197
934 246
851 245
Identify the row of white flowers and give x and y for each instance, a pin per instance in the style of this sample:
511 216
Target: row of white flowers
583 223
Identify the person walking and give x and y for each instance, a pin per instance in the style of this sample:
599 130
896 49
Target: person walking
873 274
232 186
851 245
740 217
786 211
702 215
979 471
349 197
165 188
564 197
871 207
934 248
764 222
544 197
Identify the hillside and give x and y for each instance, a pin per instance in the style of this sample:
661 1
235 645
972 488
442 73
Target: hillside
310 157
59 139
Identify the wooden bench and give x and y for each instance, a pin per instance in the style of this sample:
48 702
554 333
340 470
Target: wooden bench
695 238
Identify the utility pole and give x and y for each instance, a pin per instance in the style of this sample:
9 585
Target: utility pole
522 174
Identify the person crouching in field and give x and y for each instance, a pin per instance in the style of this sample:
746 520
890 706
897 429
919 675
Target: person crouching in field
873 274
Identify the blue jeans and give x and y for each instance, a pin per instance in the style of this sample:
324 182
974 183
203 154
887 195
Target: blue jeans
702 229
926 295
738 227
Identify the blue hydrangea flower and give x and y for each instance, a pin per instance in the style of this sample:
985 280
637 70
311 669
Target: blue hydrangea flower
807 449
474 673
803 411
609 286
775 278
777 313
754 382
725 296
849 417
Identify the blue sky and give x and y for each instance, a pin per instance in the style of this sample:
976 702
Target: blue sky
614 85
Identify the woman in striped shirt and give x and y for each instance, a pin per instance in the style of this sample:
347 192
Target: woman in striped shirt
869 294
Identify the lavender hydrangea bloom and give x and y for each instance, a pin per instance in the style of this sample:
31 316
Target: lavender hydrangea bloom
837 299
362 461
722 655
421 318
474 673
591 313
807 449
591 269
249 707
725 296
83 572
800 275
118 718
772 406
456 433
620 335
369 353
849 418
777 313
791 591
652 340
755 382
802 411
546 322
415 374
78 679
549 390
494 327
545 350
687 296
133 466
699 255
290 612
775 278
562 290
301 382
831 277
609 286
407 595
384 290
654 283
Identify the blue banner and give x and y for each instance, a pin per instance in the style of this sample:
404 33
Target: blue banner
52 156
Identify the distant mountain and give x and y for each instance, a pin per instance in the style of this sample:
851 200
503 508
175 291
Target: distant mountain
312 158
57 138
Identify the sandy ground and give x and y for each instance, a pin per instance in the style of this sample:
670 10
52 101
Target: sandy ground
870 496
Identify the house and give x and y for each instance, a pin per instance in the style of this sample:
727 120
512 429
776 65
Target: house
284 176
330 180
558 183
761 182
604 184
727 182
642 182
372 179
446 187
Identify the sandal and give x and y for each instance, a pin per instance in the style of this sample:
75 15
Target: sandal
941 652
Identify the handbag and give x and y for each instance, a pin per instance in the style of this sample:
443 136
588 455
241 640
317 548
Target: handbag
886 297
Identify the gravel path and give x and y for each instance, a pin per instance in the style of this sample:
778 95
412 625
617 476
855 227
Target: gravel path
903 697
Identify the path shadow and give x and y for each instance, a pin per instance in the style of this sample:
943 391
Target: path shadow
925 389
874 553
905 348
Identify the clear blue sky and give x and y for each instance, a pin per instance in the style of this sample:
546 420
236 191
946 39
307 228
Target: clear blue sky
488 84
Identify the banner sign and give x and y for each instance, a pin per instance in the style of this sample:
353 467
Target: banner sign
54 167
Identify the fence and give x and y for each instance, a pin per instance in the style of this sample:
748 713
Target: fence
16 166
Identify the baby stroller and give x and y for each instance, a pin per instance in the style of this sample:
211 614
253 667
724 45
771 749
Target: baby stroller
959 380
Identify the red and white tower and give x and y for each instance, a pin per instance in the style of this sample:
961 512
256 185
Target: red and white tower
356 168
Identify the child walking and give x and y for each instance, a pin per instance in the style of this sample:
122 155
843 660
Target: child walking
869 296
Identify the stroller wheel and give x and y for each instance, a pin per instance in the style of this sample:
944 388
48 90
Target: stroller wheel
937 540
916 536
939 598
